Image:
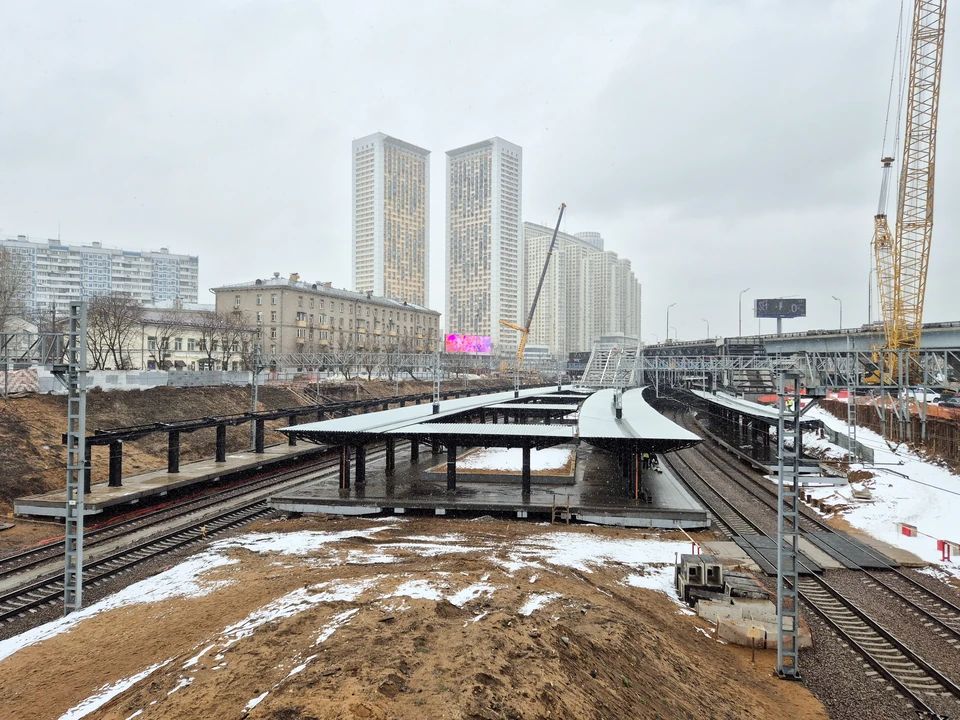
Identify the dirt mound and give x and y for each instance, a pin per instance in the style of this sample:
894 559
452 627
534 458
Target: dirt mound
365 640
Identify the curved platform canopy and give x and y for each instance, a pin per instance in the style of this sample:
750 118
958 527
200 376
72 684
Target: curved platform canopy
640 429
766 413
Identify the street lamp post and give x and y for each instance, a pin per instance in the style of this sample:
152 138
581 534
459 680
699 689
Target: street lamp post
740 312
708 327
668 319
841 309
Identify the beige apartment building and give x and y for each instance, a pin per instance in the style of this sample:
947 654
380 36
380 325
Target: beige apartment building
483 198
293 316
391 219
587 292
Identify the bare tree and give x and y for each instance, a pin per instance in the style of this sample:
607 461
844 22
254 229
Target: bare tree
167 325
13 286
113 320
209 324
236 333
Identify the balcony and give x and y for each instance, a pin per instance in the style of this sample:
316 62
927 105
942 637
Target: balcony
392 333
377 331
301 323
362 331
301 341
324 326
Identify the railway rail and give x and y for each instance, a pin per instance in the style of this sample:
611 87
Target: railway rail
916 597
929 690
174 534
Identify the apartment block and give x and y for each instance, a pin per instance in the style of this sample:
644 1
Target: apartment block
587 293
60 273
293 316
483 243
391 218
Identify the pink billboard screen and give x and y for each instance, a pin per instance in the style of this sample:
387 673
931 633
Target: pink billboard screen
468 343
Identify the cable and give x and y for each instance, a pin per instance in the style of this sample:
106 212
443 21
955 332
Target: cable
897 51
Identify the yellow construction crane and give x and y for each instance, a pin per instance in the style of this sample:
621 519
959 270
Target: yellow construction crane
525 329
902 256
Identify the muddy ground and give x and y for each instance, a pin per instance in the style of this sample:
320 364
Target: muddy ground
599 649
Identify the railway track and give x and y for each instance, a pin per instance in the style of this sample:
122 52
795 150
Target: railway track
913 677
46 589
933 608
922 684
21 561
49 590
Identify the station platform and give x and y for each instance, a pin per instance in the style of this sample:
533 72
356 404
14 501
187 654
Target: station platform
595 496
157 483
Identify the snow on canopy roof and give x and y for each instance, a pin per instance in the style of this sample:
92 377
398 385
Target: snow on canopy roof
336 430
641 426
745 407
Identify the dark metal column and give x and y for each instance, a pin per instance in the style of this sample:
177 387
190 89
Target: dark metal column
292 440
258 440
391 444
173 452
116 464
87 466
414 451
361 464
344 467
451 465
320 415
221 443
436 447
525 473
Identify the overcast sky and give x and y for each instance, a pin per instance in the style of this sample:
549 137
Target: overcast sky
718 146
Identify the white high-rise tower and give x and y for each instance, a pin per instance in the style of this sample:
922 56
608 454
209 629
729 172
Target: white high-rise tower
484 238
391 218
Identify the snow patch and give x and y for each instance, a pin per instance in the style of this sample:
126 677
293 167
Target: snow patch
251 704
108 692
537 601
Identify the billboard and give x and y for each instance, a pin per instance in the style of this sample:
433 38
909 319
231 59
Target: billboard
780 308
467 343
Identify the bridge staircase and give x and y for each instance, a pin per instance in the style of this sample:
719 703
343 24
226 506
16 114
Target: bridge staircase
610 366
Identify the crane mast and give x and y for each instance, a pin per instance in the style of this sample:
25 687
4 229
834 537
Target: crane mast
902 257
524 329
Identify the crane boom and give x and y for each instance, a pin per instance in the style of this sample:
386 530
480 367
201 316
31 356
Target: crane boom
525 329
902 258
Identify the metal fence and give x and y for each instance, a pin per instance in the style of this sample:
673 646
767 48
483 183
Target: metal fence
942 436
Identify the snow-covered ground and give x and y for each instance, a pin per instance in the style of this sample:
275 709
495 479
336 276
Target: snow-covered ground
511 459
928 497
644 562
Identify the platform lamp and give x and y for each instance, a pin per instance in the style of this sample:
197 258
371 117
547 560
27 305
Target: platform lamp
708 327
740 312
841 309
668 319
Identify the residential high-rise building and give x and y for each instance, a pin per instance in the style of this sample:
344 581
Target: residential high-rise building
60 273
391 218
587 292
484 237
558 321
615 308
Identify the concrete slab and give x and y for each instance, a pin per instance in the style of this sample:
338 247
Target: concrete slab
157 483
827 562
729 553
904 557
597 495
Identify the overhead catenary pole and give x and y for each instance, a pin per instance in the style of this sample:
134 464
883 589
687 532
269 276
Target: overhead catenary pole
788 525
76 380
